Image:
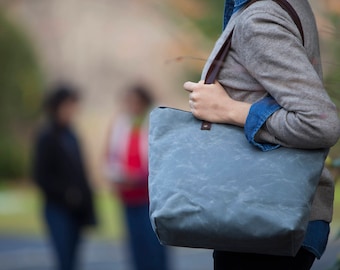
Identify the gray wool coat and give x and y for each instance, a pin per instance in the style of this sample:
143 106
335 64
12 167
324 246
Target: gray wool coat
267 56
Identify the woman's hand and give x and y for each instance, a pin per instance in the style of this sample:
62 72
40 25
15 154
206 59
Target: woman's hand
210 102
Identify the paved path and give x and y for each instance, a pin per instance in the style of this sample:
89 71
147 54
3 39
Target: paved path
34 254
25 253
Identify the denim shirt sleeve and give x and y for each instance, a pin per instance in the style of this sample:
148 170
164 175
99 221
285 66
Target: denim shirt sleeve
316 237
259 112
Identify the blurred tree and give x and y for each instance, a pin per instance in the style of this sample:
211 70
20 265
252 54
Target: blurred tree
207 17
20 96
211 24
332 82
332 78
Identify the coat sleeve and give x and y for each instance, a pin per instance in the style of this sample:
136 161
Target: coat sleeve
271 50
44 169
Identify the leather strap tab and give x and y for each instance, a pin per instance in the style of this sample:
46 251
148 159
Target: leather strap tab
205 125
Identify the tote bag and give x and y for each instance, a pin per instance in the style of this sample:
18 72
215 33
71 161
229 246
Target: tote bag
209 188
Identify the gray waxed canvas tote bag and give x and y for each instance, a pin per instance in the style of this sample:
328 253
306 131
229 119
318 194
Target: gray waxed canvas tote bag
210 188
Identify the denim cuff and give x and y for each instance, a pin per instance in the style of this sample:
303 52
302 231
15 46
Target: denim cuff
258 114
316 237
228 11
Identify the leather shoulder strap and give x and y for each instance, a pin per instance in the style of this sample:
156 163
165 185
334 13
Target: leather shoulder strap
292 13
219 59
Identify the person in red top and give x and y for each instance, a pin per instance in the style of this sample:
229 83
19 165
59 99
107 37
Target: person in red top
127 169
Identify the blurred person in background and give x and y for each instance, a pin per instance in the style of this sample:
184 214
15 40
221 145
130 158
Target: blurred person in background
60 174
127 169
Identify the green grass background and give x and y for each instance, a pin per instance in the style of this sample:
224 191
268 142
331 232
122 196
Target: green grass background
21 214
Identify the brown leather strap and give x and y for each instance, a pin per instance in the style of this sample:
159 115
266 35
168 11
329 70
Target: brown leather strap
295 17
218 62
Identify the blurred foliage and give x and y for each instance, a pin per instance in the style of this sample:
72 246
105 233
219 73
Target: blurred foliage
332 83
206 16
14 156
332 78
20 96
211 24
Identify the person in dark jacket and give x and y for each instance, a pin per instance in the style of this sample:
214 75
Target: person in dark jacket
60 175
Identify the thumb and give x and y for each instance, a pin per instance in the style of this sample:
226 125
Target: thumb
189 86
